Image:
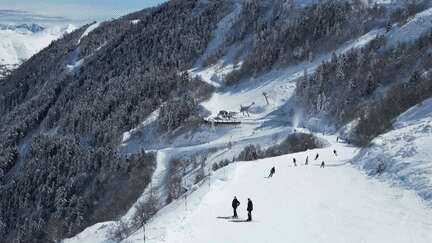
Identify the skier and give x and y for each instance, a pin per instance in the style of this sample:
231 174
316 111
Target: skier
322 165
295 162
335 153
272 171
235 204
307 160
316 157
249 209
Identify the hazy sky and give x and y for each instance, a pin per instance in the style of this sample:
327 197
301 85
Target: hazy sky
78 9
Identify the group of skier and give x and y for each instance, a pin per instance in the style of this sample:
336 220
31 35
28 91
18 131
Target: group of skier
307 161
236 203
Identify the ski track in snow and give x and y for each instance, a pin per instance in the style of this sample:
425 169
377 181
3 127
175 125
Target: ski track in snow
279 84
89 30
74 63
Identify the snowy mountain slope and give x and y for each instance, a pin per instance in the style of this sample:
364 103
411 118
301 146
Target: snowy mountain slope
262 127
278 84
74 63
267 125
259 128
410 31
89 30
403 155
18 45
299 204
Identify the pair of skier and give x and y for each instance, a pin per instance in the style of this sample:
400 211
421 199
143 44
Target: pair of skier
236 203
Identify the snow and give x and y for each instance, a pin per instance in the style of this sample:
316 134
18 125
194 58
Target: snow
335 204
18 46
157 183
299 204
135 21
262 127
404 152
75 65
89 30
93 234
221 31
420 24
278 84
227 63
150 119
416 113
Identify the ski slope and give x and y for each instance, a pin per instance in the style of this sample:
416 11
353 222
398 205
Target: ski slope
404 153
337 204
299 204
89 29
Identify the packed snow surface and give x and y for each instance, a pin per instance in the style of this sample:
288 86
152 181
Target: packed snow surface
299 204
404 154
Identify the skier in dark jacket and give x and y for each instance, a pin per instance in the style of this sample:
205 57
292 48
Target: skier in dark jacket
235 204
307 160
295 161
317 156
249 209
272 171
322 165
334 152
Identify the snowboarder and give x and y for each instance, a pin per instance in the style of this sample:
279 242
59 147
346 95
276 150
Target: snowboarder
295 162
322 165
272 171
334 152
249 209
307 160
316 157
235 204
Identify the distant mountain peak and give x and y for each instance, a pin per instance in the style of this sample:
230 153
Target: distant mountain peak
32 27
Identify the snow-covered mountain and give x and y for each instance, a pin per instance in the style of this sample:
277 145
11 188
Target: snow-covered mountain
300 204
23 27
20 42
403 154
149 124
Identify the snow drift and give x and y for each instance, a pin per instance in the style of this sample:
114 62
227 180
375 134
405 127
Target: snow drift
403 155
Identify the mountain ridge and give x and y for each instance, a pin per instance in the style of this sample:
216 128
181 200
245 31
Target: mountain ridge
132 94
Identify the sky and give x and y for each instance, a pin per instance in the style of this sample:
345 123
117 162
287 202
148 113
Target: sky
80 10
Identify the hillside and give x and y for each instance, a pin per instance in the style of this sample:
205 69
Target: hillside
113 125
20 42
60 138
402 154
